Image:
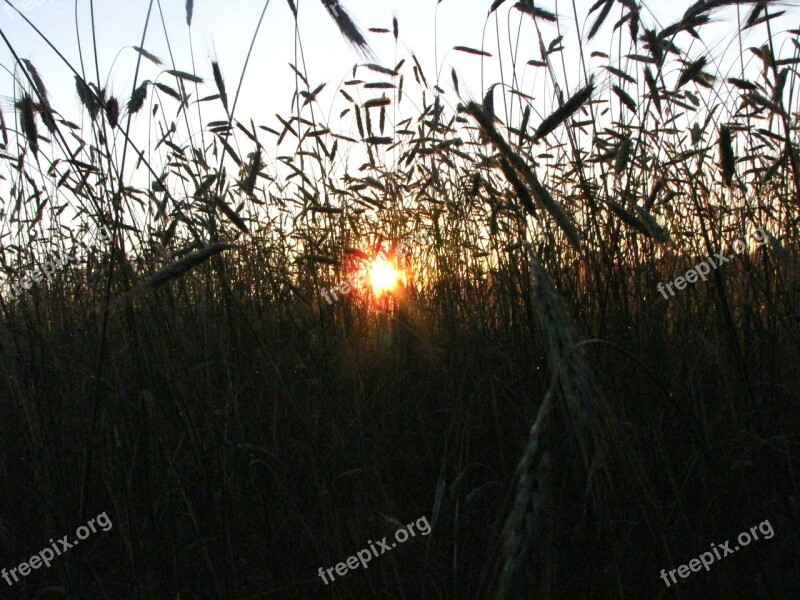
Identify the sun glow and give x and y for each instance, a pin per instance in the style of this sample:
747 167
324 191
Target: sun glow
383 277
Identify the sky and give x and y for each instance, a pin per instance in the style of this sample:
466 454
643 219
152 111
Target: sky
223 29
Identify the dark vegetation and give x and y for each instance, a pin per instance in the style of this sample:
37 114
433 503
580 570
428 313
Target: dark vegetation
189 379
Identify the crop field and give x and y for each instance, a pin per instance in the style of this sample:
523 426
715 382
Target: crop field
482 300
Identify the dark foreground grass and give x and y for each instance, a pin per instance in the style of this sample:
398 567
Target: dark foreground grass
241 445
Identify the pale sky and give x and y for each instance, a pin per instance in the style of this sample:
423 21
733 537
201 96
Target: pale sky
224 28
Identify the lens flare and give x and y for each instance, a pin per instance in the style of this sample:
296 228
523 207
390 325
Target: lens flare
383 277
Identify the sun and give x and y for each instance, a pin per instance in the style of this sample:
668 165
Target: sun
383 277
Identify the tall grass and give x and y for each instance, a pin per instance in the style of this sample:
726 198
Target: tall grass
240 431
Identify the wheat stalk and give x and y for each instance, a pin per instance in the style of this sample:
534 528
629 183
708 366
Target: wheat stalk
529 557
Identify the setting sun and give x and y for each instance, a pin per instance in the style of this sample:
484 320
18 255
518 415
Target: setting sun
383 277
